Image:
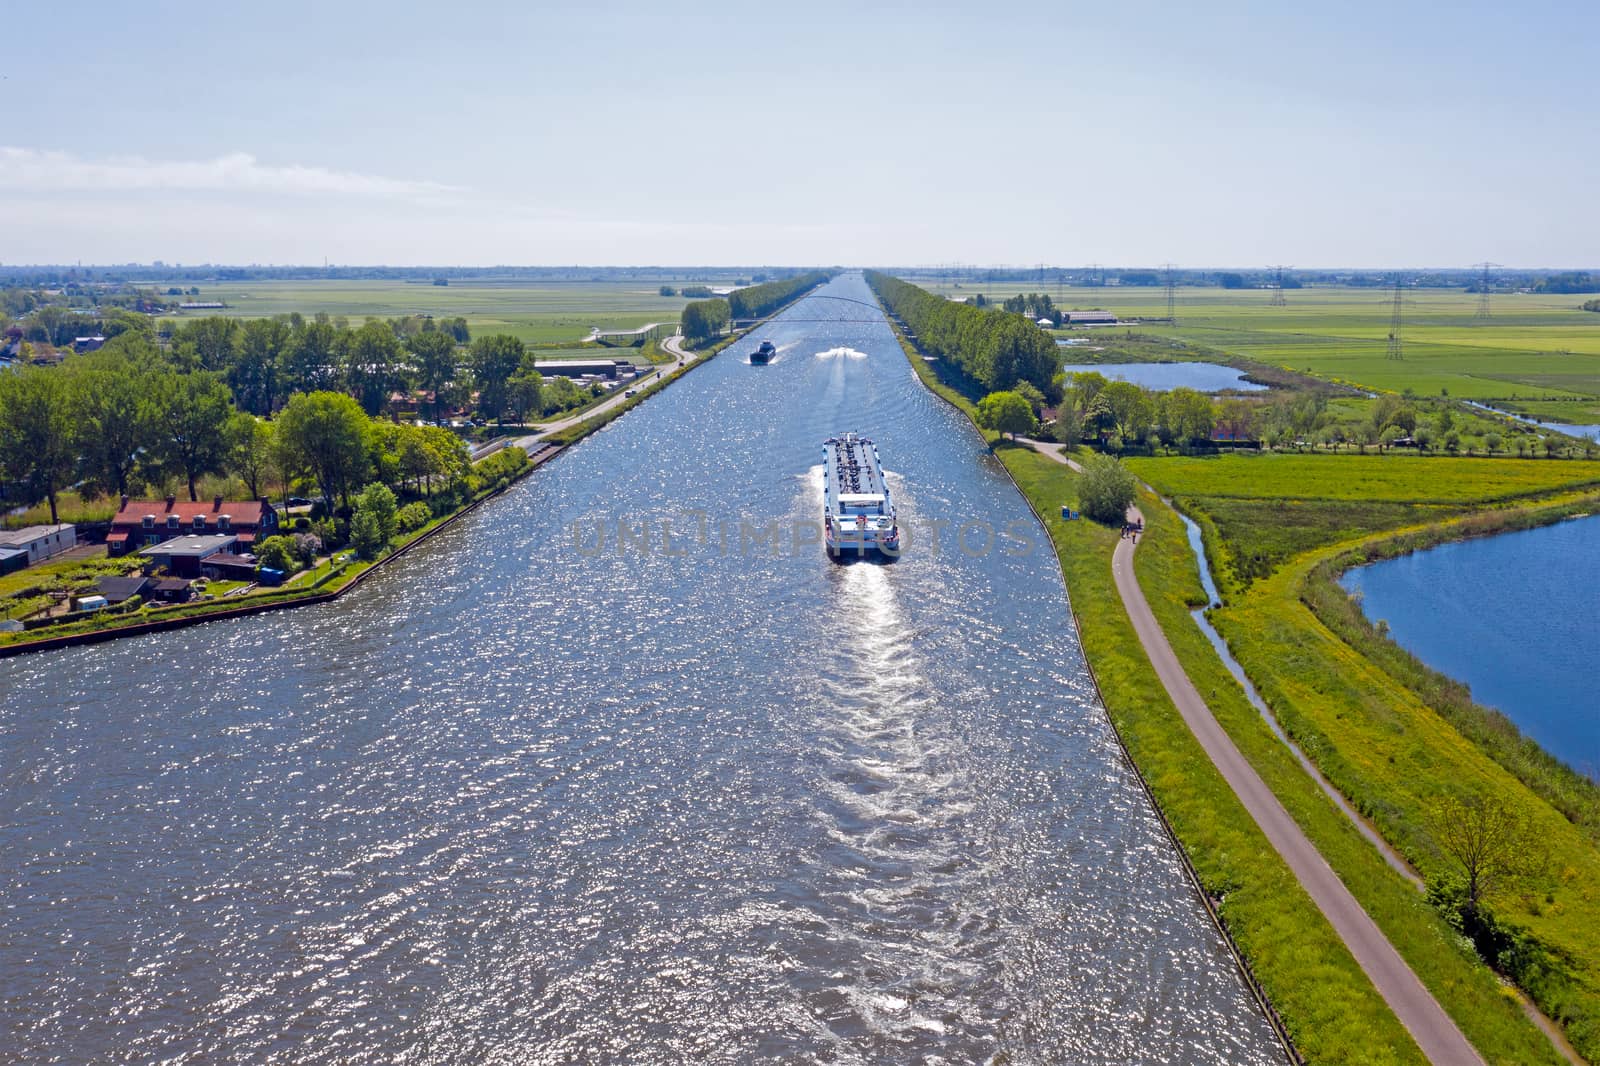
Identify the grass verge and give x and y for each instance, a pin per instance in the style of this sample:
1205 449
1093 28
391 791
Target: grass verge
1446 964
1329 1009
1394 756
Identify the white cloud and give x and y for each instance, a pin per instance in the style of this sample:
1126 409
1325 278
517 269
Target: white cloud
33 169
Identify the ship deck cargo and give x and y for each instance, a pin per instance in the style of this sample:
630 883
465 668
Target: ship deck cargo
858 509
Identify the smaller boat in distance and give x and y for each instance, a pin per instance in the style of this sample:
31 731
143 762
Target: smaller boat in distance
763 355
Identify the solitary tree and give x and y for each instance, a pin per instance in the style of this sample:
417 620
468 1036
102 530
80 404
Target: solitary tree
325 433
1488 842
1006 412
1105 489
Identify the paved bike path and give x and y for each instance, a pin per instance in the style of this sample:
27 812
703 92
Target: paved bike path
1434 1031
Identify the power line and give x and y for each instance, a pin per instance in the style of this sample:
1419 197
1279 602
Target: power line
1172 294
1394 321
1278 299
1483 290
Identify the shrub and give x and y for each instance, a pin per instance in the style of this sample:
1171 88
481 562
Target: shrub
1106 489
377 499
329 531
413 516
279 553
309 545
366 535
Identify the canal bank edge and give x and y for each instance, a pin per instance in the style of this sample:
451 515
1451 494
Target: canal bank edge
1479 1002
571 435
561 441
161 625
1286 1044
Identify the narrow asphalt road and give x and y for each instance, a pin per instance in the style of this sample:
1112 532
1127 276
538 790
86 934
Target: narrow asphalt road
1434 1031
673 345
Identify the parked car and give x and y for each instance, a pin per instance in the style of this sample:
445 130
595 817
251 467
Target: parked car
299 501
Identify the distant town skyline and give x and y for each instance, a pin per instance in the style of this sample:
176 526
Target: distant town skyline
1378 136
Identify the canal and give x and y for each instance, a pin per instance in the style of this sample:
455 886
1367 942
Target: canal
521 799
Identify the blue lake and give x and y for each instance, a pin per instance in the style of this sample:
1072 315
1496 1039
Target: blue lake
1516 617
1206 377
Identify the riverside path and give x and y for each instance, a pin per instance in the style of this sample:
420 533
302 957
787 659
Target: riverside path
1434 1031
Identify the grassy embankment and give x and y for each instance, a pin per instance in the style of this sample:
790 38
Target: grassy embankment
1328 1006
1392 736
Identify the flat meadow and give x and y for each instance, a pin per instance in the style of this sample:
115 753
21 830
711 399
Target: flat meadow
1400 478
536 311
1537 353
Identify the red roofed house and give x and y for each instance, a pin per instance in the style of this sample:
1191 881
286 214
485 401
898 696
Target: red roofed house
141 523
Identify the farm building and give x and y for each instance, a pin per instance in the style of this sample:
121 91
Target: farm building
1089 318
38 543
576 368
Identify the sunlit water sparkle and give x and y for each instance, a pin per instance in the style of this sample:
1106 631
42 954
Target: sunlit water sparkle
508 803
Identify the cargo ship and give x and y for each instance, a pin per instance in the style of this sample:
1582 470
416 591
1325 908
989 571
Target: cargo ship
857 510
763 355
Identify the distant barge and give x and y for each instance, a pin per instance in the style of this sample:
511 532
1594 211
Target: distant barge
857 510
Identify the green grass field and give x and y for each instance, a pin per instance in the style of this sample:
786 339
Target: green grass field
1401 478
1536 353
534 311
1391 736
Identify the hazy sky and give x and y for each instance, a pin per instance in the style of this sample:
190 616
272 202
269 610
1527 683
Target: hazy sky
853 133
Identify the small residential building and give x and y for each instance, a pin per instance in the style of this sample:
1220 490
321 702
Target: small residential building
39 543
182 556
88 344
122 589
147 522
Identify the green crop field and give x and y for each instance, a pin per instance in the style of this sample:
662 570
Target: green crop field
1399 478
1536 353
537 311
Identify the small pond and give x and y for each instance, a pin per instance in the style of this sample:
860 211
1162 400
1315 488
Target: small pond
1206 377
1516 617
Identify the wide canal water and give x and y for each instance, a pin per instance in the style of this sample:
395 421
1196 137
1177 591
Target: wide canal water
515 800
1516 616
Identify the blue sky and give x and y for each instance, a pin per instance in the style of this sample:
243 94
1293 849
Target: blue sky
859 133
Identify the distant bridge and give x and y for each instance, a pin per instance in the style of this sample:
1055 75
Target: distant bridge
877 312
